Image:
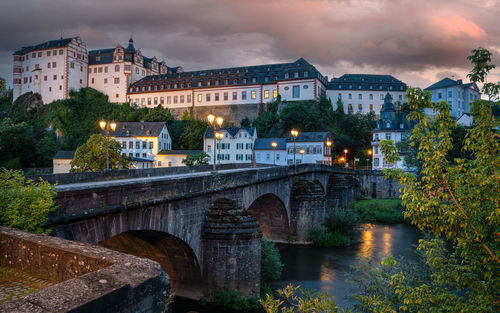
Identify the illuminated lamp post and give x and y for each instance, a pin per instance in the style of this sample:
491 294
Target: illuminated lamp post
219 137
369 152
329 145
214 122
345 155
294 133
302 151
106 126
274 144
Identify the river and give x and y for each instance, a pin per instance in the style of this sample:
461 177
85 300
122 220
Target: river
325 269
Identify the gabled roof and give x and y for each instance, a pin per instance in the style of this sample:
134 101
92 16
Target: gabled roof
135 159
265 143
233 131
310 137
245 75
448 82
63 42
64 155
366 82
137 129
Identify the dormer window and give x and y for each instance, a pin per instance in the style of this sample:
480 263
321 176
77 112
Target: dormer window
359 86
199 83
371 87
244 80
390 87
208 82
266 79
226 81
340 86
217 82
286 76
306 73
350 86
296 75
235 81
254 79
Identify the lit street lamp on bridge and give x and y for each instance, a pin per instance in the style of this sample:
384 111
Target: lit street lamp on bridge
106 126
274 144
214 122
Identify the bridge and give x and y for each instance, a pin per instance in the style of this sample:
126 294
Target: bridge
204 228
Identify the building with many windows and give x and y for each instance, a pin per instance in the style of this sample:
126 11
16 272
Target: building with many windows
390 126
51 69
233 93
142 141
236 145
363 93
266 154
316 147
456 93
169 158
112 70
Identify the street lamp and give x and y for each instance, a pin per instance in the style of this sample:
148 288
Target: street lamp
369 152
329 145
302 151
294 133
274 144
219 137
106 126
214 122
345 155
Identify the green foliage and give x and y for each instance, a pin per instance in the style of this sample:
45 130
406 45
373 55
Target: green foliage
379 210
17 144
25 204
342 221
192 136
46 148
196 159
159 114
456 200
3 84
91 156
303 115
245 122
321 236
230 300
267 124
270 261
297 300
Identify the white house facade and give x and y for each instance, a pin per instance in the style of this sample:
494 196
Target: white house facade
236 145
266 154
142 141
363 93
51 69
456 93
298 80
390 126
169 158
112 70
315 145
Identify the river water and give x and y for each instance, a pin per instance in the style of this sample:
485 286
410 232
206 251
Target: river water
324 269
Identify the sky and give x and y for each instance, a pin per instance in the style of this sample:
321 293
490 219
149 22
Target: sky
416 41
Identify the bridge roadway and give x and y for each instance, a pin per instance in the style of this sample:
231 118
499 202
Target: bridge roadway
204 228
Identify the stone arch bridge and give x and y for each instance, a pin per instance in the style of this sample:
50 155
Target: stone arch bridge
205 228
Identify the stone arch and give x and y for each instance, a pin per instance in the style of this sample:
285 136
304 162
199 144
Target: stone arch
175 256
320 185
337 191
272 216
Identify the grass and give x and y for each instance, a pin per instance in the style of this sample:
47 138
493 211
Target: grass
379 210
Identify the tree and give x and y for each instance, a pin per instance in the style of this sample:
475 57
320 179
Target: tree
457 201
159 114
245 122
3 84
91 156
17 144
46 148
192 136
25 204
196 159
267 123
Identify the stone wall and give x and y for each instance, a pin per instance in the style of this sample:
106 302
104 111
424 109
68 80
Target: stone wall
231 113
89 278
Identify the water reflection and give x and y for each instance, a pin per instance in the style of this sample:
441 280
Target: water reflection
325 269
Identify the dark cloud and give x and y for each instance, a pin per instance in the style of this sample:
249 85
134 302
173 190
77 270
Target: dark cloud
413 40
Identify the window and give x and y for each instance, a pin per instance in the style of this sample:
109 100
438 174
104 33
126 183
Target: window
440 95
181 98
266 94
117 68
254 94
175 99
371 96
92 80
149 101
286 76
130 144
144 155
53 64
387 136
72 64
275 93
207 97
124 145
296 92
188 99
39 54
249 146
449 94
105 80
199 98
127 67
381 96
151 145
155 101
349 108
360 97
105 69
349 96
117 80
235 95
226 96
216 96
371 107
48 66
55 77
376 162
243 95
45 78
360 107
137 144
99 69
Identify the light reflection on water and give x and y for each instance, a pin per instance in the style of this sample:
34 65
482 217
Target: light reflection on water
325 269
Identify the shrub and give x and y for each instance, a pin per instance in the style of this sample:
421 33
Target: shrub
270 262
232 300
25 204
321 236
342 221
380 210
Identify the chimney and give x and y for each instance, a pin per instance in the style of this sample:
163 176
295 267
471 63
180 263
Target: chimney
459 81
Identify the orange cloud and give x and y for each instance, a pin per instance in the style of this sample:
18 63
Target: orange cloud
457 26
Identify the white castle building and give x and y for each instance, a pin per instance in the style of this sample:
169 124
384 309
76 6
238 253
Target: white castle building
298 80
51 69
364 93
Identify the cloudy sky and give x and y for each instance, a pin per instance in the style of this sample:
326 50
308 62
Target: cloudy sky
417 41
